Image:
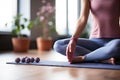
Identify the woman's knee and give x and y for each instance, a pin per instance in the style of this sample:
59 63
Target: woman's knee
59 44
115 43
60 48
56 45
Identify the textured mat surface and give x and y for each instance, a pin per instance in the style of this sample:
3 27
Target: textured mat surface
66 64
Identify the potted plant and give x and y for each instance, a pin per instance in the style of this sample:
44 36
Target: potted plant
20 43
46 20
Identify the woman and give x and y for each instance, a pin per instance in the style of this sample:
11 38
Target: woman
104 41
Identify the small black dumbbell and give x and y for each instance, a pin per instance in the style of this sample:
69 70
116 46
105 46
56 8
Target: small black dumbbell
17 60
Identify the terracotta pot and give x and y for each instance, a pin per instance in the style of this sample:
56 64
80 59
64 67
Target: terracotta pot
21 44
44 44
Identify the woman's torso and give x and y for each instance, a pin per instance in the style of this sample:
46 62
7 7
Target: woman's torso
105 15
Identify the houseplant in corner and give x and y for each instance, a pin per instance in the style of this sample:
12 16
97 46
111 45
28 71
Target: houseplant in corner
20 43
46 20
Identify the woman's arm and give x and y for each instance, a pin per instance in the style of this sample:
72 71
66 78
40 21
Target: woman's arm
85 6
70 50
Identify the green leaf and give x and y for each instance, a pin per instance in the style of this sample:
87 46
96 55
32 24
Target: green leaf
30 25
14 32
25 19
17 22
22 26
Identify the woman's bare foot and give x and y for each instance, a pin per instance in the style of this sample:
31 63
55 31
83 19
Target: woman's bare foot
77 59
110 61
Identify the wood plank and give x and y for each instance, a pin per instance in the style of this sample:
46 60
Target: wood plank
29 72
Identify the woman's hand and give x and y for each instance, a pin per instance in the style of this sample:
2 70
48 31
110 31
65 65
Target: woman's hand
70 50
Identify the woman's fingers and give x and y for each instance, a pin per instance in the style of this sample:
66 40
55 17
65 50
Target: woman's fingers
70 51
69 54
70 48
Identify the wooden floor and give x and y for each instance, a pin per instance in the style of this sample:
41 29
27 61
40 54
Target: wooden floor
31 72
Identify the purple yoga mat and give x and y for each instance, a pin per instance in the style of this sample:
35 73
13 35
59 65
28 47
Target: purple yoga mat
66 64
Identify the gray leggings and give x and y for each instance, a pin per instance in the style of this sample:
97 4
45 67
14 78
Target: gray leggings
95 49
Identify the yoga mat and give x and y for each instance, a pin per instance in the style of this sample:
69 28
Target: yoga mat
77 65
